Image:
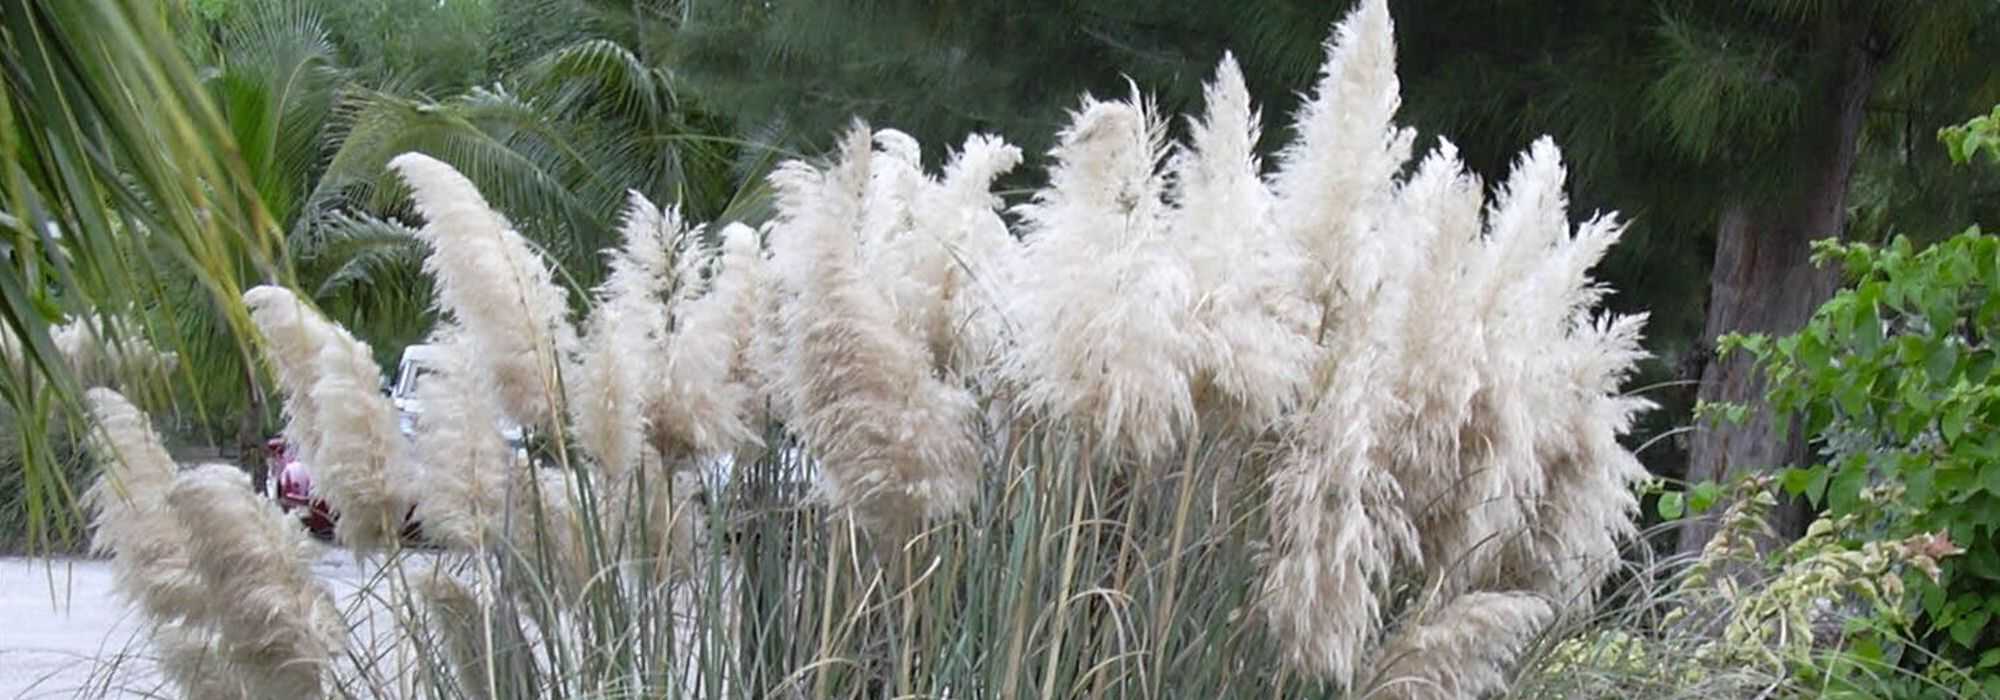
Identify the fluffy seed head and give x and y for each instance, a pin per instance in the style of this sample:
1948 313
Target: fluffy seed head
497 287
275 617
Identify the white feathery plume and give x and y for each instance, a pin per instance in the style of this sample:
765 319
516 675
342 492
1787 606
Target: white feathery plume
895 181
103 350
1250 320
773 358
609 393
159 565
1461 650
466 463
704 402
970 257
1335 177
1436 214
1527 222
948 248
1588 503
1486 516
454 613
276 619
1586 498
130 516
1477 514
1101 299
1455 486
497 287
894 441
886 229
193 659
293 335
1338 525
362 465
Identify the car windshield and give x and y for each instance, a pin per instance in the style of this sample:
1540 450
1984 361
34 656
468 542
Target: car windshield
413 375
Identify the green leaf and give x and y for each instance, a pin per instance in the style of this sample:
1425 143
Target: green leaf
1844 493
1702 496
1919 485
1941 362
1953 423
1817 488
1966 630
1671 506
1796 480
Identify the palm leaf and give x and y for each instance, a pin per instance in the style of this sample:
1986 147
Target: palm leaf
112 156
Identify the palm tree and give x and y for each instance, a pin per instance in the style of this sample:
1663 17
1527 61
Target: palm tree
122 190
158 161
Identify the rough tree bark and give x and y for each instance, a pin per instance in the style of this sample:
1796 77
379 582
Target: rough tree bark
1764 281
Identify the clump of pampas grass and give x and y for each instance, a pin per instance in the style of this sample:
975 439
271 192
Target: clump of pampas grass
1420 379
226 577
1462 422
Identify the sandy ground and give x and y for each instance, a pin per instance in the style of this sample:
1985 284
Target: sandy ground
64 634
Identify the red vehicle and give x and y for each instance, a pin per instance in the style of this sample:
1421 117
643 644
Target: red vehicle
291 485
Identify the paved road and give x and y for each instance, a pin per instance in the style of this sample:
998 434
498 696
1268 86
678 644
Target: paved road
64 634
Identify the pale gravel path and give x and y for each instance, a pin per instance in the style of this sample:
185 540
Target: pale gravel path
64 634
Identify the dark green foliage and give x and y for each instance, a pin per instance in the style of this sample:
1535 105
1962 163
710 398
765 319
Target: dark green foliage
941 71
1896 380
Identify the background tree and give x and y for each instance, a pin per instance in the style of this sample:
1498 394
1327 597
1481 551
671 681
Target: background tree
1778 99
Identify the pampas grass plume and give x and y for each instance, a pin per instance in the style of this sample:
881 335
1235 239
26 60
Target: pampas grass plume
1101 299
272 615
612 387
466 463
894 441
129 512
293 335
704 400
497 287
1461 650
361 466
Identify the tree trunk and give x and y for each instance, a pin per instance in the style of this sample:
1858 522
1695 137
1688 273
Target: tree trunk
1764 281
250 431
